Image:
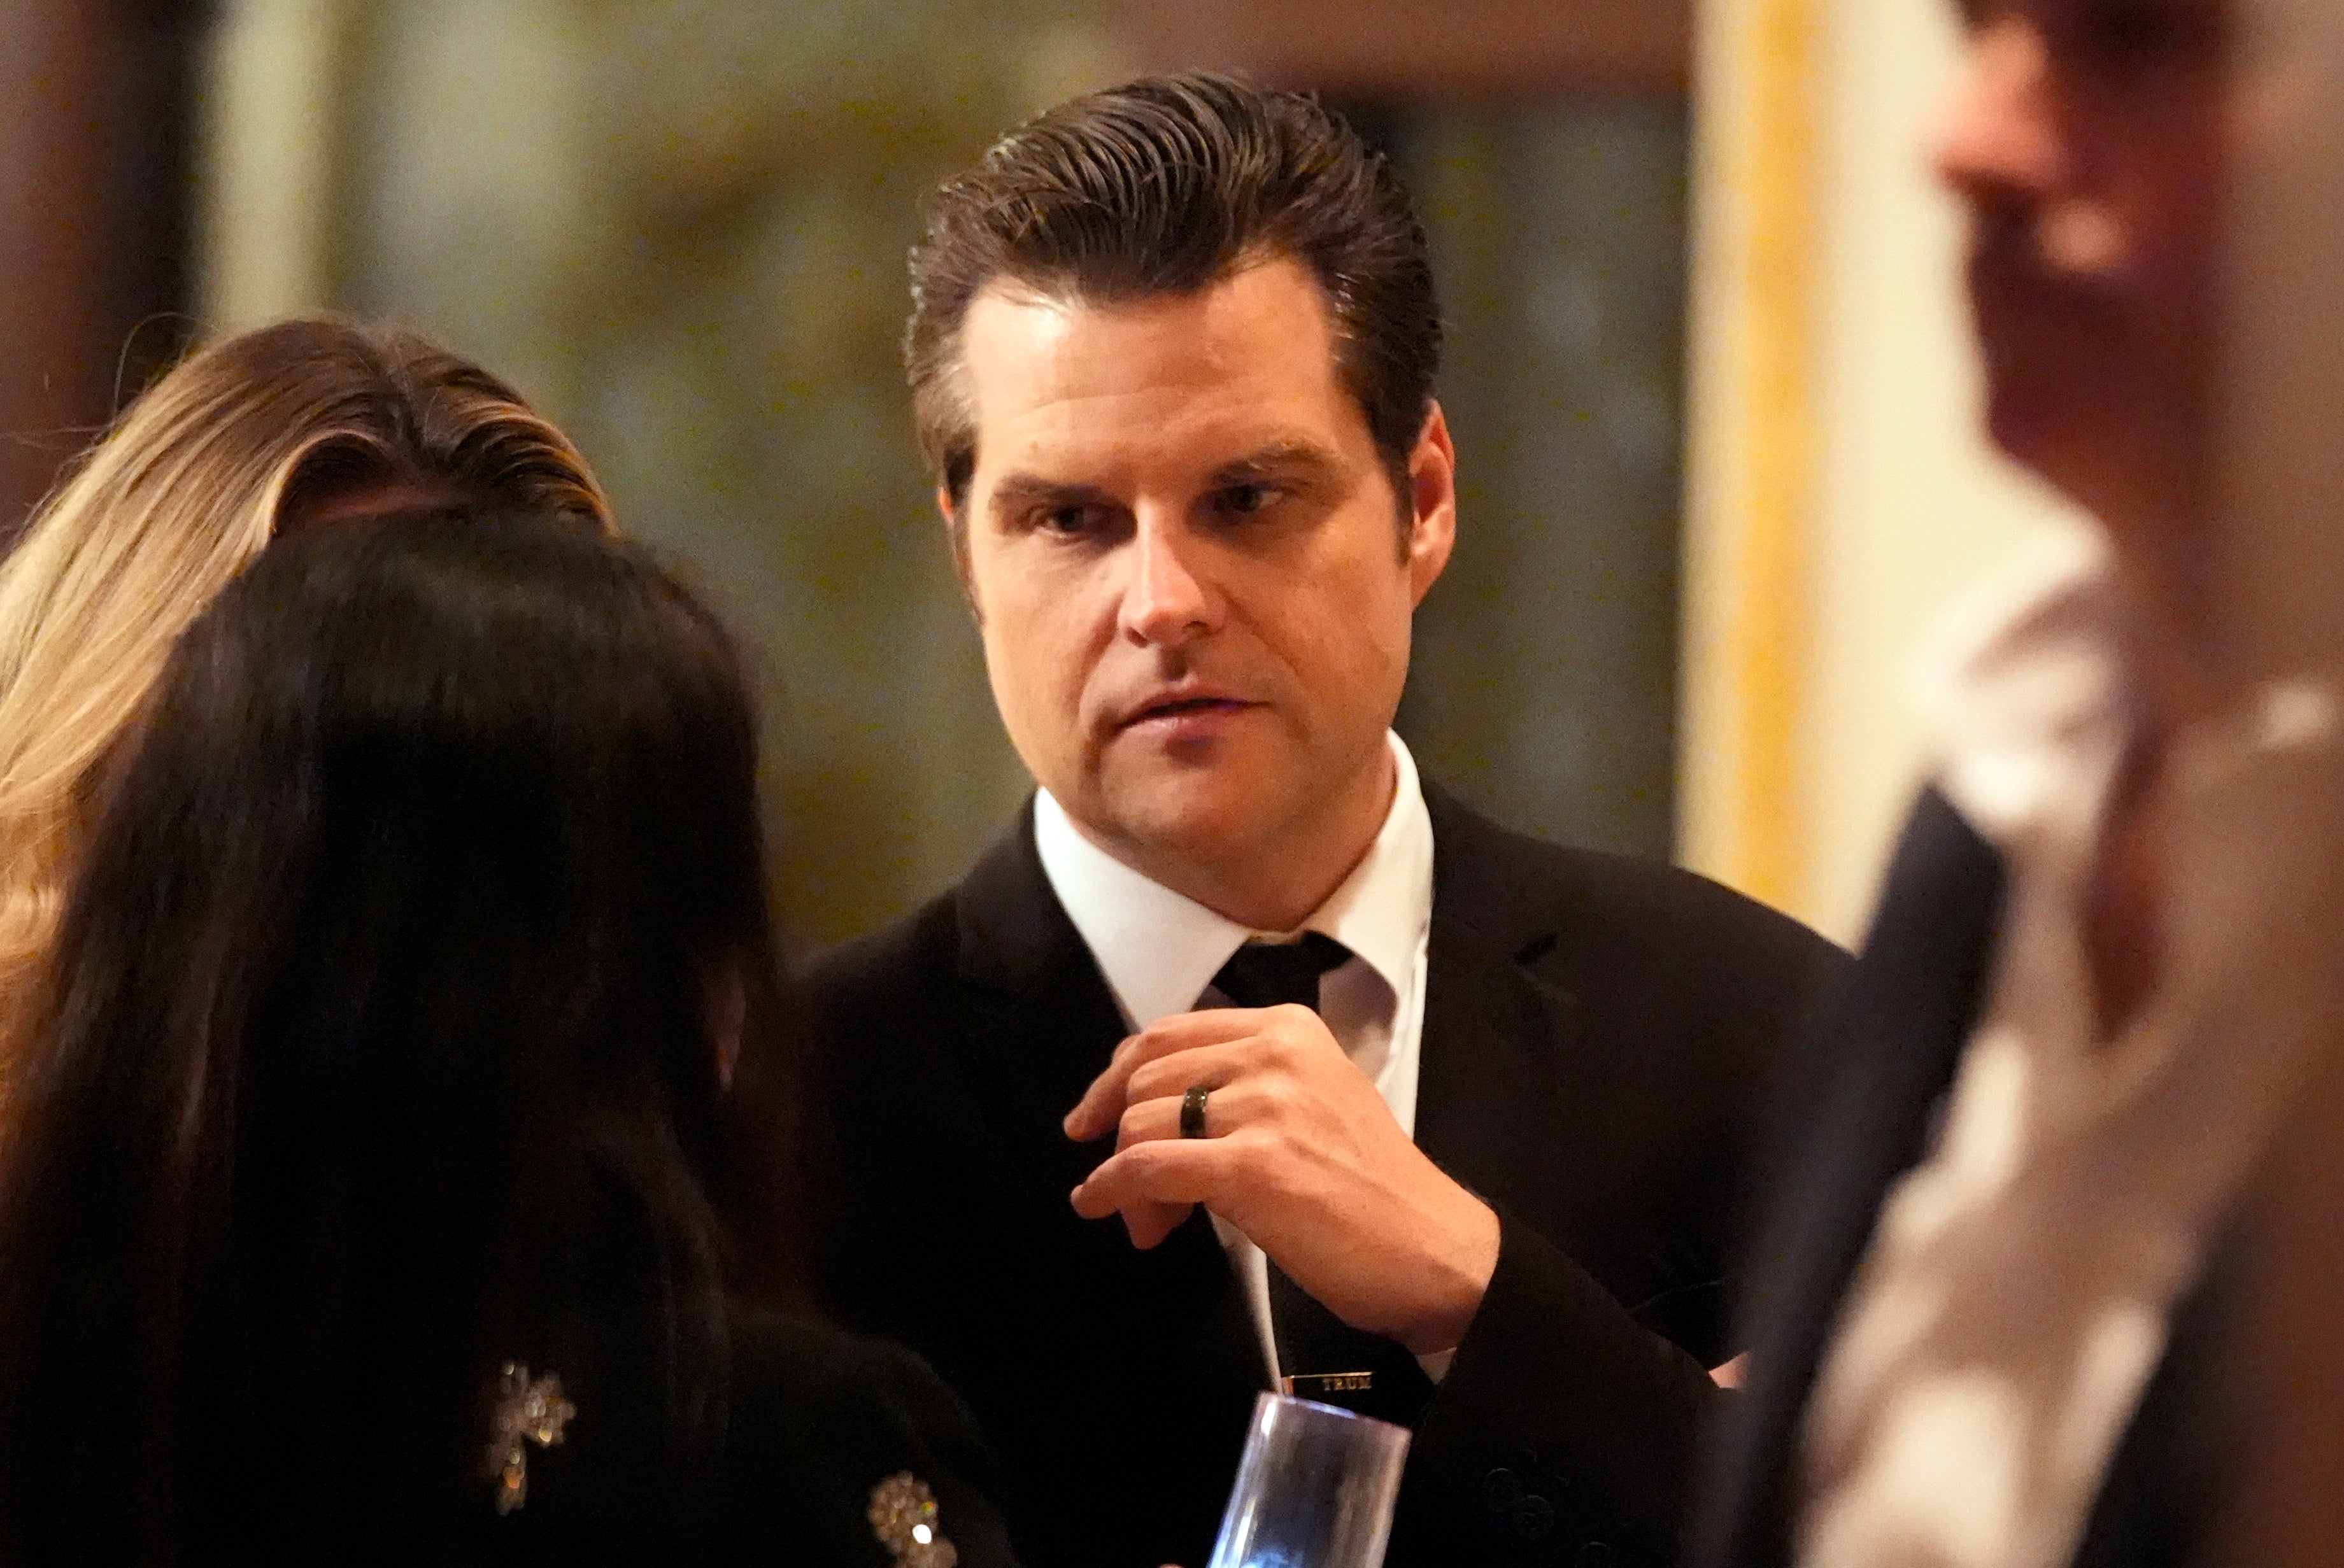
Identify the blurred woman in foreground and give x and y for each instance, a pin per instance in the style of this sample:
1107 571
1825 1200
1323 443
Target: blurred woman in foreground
362 1197
303 422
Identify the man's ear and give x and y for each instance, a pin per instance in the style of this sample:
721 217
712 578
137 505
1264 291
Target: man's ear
1432 504
956 539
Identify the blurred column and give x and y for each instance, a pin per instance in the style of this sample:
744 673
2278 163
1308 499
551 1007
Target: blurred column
1750 475
2275 596
2275 566
93 220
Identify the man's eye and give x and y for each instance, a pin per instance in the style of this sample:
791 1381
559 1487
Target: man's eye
1068 520
1246 500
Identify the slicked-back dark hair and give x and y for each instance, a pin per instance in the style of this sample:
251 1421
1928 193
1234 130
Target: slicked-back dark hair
377 1047
1166 184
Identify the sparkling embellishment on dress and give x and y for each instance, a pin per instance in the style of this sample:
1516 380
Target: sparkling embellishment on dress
527 1410
903 1514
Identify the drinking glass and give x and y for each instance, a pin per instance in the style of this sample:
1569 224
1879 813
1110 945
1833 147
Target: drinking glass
1314 1489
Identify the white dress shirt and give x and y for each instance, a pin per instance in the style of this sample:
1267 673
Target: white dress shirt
2015 1297
1159 952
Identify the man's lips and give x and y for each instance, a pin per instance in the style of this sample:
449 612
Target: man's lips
1187 706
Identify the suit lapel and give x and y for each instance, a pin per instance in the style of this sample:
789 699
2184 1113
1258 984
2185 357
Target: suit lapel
1045 1021
1044 1026
1494 1033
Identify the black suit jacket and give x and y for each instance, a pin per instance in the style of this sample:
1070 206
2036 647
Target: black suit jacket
1598 1037
1880 1066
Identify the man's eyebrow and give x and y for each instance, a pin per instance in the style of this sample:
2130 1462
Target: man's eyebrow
1019 491
1284 457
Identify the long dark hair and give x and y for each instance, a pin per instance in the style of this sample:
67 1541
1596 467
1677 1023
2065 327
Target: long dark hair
381 1047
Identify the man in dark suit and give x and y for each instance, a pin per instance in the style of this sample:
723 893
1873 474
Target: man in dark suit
1990 1324
1407 1112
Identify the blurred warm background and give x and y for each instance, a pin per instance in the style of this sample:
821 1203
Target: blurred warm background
1706 366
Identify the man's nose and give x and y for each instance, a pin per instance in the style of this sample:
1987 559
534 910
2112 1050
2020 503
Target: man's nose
1167 599
1998 139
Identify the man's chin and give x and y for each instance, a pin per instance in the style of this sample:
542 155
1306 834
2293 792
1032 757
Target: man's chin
2047 431
2015 426
1195 815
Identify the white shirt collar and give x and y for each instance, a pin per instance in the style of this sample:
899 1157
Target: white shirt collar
2029 699
1159 949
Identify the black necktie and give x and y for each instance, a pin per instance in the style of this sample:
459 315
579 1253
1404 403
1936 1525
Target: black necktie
1323 1357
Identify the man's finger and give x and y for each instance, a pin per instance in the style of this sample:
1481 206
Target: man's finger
1213 1067
1149 1223
1102 1102
1149 1120
1227 1109
1094 1115
1160 1170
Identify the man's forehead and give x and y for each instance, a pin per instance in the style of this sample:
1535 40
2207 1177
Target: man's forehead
1241 368
1268 324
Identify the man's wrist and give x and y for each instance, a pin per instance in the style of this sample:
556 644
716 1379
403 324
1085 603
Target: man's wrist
1462 1268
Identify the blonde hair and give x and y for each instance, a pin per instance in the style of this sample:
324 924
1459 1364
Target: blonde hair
189 484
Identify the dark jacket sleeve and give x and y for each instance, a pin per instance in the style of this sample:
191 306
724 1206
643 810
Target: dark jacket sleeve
1566 1431
1565 1428
820 1420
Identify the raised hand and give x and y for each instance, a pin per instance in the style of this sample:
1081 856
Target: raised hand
1301 1154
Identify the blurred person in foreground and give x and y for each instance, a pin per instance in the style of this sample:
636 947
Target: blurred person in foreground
1997 1299
1384 1094
365 1197
274 429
